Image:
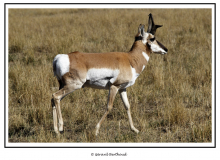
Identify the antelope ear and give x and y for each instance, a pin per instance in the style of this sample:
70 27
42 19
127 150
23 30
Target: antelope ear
141 30
150 23
151 26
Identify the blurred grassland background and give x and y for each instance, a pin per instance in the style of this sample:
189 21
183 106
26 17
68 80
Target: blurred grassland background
170 101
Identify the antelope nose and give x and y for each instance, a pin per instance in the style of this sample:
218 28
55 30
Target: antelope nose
166 50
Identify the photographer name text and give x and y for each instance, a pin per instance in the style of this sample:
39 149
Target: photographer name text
109 154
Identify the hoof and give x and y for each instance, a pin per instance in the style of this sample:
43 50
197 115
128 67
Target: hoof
96 133
135 130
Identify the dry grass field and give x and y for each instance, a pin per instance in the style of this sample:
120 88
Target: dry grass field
171 100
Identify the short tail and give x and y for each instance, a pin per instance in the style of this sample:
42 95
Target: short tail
54 66
55 72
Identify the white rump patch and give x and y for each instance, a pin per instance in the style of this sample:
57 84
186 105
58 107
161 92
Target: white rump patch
145 56
62 63
101 76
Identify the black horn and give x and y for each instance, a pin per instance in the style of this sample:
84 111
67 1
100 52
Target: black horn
151 26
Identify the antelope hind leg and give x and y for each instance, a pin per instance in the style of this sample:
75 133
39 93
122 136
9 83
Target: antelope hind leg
56 103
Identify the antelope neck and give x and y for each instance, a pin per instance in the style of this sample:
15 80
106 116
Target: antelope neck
139 56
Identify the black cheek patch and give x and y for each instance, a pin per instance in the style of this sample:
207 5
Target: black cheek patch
152 39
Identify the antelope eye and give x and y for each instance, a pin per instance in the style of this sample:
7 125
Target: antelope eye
152 39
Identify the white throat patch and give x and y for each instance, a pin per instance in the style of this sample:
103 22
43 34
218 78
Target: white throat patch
145 56
144 41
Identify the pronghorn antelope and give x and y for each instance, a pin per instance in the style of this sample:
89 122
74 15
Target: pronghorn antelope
114 71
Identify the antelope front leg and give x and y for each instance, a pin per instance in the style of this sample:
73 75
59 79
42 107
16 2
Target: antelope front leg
124 98
112 93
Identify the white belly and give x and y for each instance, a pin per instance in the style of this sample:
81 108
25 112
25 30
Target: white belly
100 77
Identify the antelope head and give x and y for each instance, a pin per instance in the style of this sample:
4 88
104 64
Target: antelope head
148 38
